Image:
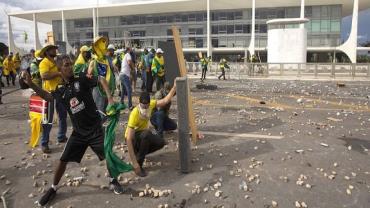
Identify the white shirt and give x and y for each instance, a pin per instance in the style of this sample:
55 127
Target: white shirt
125 67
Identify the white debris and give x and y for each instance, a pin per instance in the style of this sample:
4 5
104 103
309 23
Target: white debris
274 204
349 192
218 193
324 145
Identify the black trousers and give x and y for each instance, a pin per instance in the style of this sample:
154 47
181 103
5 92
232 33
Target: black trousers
159 82
204 73
146 142
222 74
10 77
149 81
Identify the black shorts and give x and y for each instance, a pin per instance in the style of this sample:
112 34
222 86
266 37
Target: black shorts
77 145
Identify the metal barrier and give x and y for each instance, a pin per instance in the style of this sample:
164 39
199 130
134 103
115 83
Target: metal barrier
307 70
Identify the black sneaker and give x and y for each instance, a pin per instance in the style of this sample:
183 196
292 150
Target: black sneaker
47 197
64 140
116 187
46 149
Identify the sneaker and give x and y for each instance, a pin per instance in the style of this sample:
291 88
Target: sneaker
47 197
116 187
46 149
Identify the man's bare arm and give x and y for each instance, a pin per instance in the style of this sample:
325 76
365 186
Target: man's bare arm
130 146
163 102
106 89
42 93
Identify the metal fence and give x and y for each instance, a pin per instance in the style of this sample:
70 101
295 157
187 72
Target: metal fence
306 70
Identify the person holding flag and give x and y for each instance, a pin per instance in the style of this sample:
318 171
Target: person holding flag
75 95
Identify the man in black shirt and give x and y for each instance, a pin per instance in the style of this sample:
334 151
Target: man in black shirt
76 96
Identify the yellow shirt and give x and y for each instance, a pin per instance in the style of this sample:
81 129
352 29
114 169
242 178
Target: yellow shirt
138 123
48 66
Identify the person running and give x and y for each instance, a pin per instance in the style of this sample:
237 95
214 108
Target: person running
160 118
83 60
51 78
140 139
127 66
101 66
9 69
75 95
158 69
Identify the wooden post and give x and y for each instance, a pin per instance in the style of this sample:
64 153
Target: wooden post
183 73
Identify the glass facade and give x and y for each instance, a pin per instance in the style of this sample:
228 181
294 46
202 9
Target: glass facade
229 28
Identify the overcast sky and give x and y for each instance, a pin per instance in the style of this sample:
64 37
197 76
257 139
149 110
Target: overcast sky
19 26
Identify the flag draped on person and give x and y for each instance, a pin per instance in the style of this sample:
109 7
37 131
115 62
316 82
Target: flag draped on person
38 107
115 165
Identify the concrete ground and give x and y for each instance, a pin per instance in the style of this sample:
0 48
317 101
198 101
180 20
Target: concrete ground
283 143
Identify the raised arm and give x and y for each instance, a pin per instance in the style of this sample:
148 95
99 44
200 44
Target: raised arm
163 102
42 93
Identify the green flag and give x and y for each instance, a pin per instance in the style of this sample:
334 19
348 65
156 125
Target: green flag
115 165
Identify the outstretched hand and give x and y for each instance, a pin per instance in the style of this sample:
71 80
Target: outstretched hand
26 77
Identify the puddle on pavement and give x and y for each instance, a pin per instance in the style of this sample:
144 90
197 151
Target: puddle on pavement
359 145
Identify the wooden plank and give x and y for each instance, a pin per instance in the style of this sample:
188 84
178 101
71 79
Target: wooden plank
183 73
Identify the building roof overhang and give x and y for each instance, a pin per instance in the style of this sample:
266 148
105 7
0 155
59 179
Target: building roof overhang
172 6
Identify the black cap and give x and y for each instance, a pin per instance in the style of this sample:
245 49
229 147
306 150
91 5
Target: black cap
144 98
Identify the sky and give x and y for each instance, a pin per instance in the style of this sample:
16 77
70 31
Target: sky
20 26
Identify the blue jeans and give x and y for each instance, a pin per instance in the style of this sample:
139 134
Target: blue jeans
46 128
143 79
162 122
126 87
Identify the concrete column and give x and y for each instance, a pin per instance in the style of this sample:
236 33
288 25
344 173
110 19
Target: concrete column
37 44
94 24
253 38
10 36
209 39
64 32
350 46
302 12
183 123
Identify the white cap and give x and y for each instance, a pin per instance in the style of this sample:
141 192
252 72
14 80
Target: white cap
111 46
159 50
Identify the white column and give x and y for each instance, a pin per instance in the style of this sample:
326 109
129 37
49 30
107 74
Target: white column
64 32
209 40
37 44
10 36
94 24
253 38
302 12
350 46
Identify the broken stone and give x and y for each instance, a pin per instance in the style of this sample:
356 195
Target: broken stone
7 182
31 195
335 165
324 145
347 178
349 192
2 177
218 193
351 187
304 205
141 194
274 204
297 204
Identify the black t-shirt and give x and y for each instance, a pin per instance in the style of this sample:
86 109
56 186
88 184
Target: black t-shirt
76 96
